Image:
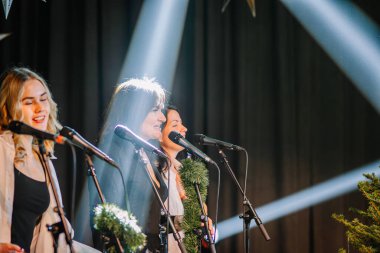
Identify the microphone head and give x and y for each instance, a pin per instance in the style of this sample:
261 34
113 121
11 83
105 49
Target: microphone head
67 132
175 136
15 126
127 134
19 127
208 141
124 132
199 138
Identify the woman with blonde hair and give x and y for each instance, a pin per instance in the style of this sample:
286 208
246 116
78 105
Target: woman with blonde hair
27 202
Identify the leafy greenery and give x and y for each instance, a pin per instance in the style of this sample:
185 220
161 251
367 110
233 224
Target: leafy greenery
193 171
364 234
111 220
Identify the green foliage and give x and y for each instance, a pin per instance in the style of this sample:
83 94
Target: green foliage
192 172
111 220
364 234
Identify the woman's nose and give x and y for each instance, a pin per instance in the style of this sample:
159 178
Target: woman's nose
161 117
37 107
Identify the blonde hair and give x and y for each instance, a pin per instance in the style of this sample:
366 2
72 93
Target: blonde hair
11 91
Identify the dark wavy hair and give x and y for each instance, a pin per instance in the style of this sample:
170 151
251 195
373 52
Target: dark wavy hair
163 164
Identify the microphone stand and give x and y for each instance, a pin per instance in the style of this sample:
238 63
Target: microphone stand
204 218
176 235
248 215
56 228
92 173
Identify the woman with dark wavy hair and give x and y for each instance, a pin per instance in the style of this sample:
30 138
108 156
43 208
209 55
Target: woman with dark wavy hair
171 173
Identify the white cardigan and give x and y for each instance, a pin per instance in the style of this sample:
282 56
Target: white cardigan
42 239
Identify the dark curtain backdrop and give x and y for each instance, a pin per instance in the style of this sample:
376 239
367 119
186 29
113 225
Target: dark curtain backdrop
261 83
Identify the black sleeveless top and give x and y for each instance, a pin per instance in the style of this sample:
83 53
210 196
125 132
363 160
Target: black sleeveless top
31 199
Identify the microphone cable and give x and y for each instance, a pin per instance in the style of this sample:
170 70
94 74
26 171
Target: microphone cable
217 202
246 173
74 180
245 184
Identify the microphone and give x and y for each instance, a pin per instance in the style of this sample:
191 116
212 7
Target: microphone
19 127
204 140
83 144
127 134
177 138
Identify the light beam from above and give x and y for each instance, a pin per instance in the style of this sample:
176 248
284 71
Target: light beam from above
153 52
7 4
156 41
348 36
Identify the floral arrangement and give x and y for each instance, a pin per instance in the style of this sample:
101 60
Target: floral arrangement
364 234
111 220
192 172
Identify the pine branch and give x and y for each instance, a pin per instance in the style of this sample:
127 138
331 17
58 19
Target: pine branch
111 220
192 172
365 236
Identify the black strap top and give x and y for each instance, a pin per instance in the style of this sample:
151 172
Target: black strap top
31 199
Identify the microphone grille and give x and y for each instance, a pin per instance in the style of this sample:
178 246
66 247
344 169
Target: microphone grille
199 138
19 127
67 132
15 126
174 136
123 132
119 131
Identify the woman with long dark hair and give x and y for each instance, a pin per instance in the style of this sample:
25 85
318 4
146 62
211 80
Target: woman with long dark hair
137 104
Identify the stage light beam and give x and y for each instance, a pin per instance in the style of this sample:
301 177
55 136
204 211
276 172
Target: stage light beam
156 41
153 52
348 36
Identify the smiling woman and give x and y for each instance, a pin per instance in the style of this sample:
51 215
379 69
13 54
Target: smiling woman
27 203
171 174
35 106
25 96
137 104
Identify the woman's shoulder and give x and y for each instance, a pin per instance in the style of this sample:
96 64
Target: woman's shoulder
6 146
6 139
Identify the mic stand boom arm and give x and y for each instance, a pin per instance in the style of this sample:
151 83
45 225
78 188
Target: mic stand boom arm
251 213
92 173
56 228
176 235
205 219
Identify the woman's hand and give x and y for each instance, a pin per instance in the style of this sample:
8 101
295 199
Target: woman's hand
211 227
9 247
212 233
